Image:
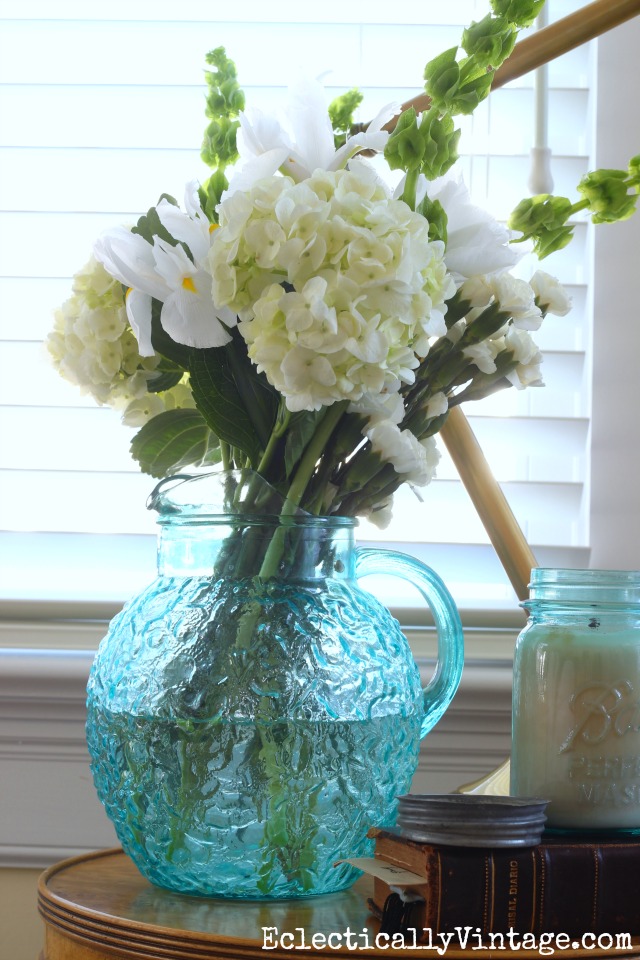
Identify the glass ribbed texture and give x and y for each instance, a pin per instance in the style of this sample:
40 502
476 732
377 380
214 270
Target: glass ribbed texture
255 711
235 768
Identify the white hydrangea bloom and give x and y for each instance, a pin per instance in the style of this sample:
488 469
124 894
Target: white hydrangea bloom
337 285
93 346
550 294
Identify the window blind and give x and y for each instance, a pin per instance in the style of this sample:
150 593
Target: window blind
103 109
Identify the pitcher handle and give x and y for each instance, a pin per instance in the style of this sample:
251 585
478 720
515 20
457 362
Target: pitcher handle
440 690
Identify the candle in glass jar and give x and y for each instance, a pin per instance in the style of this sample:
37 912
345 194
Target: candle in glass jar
576 699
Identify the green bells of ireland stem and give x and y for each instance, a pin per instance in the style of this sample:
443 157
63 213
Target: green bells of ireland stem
608 195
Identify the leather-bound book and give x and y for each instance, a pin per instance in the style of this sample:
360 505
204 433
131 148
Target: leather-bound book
559 886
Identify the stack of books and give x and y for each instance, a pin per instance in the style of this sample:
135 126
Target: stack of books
559 885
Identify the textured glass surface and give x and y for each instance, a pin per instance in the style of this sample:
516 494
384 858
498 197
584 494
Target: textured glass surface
246 733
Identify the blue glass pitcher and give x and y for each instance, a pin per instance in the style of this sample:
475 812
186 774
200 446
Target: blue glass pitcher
255 711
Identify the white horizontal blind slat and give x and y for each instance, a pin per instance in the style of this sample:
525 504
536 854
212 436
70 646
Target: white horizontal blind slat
113 132
518 449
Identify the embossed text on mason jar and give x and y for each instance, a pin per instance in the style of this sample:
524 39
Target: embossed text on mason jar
602 710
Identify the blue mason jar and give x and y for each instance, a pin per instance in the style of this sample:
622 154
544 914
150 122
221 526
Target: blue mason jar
254 711
576 699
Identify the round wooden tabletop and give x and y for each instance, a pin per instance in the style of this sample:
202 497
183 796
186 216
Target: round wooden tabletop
99 907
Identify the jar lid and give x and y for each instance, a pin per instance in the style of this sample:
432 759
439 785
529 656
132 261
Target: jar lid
585 586
471 820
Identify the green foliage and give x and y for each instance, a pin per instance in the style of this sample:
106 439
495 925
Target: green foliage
174 440
434 213
300 430
219 144
522 13
456 86
607 195
149 225
259 398
543 219
440 138
225 95
236 401
429 146
341 111
490 41
211 192
166 376
225 100
405 149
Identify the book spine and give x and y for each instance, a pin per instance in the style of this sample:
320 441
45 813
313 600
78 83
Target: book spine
552 888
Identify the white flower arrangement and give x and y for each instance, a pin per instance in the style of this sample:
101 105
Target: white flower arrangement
300 320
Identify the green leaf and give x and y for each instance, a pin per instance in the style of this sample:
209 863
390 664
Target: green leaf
341 112
210 193
166 375
217 397
174 440
434 214
149 225
260 399
302 427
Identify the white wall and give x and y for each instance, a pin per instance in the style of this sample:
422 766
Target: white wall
615 451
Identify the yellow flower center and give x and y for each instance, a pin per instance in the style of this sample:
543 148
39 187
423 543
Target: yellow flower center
213 226
188 284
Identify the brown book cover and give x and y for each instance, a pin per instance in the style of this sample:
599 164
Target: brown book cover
558 886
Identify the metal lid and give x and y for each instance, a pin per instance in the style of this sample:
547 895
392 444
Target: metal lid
470 820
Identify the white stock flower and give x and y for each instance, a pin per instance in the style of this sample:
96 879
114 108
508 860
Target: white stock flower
380 514
437 405
483 354
166 273
415 461
382 406
526 352
517 298
478 291
550 294
364 287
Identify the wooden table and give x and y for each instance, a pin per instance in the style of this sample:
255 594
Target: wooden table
99 907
